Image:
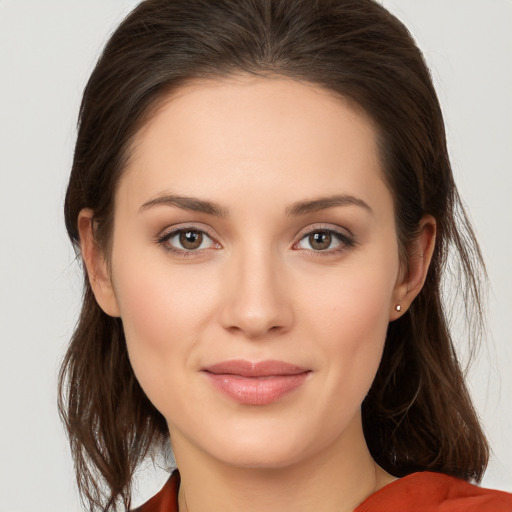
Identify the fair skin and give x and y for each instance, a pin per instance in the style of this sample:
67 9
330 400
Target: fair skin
262 277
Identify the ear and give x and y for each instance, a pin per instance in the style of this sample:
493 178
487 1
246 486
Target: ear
96 265
412 278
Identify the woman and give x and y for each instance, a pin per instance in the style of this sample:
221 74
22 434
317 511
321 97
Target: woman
263 201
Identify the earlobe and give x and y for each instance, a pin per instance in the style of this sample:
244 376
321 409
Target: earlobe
419 257
96 265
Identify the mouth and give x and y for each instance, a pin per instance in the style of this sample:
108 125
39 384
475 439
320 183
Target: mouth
256 383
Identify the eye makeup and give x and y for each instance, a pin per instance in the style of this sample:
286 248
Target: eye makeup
191 240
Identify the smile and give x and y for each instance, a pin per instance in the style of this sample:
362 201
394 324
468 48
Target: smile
259 383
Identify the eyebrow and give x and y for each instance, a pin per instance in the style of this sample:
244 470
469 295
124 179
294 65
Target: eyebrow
303 207
187 203
296 209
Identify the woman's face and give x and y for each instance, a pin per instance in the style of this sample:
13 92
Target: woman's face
255 268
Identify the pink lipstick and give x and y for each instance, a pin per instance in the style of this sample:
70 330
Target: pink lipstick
258 383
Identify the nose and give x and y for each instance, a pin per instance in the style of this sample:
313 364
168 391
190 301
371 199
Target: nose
257 299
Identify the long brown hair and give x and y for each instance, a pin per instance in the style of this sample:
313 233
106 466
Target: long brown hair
418 414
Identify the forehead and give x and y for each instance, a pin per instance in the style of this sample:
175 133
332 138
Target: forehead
254 132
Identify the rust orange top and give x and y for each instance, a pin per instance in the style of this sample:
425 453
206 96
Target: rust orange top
418 492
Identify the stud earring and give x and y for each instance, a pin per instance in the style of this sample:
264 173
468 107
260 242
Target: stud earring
398 307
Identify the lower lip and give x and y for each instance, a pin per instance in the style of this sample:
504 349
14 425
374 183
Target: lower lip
256 390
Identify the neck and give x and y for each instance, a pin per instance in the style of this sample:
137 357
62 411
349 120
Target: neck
336 479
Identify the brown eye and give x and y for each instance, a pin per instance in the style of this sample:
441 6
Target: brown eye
187 240
325 240
191 240
320 240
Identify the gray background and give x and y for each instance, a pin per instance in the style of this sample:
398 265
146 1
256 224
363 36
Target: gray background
47 50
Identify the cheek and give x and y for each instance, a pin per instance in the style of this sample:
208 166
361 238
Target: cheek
350 320
157 298
354 305
164 311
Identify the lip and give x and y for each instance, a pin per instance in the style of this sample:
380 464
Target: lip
256 383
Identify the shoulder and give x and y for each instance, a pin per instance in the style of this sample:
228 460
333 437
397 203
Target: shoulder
166 500
418 492
435 492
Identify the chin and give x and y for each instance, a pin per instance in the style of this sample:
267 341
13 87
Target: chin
267 447
261 457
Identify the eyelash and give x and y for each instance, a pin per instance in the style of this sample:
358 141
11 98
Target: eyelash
346 241
164 239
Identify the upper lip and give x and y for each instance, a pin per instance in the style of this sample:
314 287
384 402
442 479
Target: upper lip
254 369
